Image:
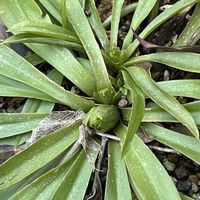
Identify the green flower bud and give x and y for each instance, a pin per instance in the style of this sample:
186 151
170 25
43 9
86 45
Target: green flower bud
102 118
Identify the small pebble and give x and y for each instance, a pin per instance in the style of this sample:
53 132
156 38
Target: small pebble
181 172
169 165
194 187
173 157
193 178
183 185
196 196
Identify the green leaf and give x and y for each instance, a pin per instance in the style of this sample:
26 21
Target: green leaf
142 11
157 114
43 28
187 145
178 60
53 6
46 185
97 25
13 189
79 176
190 33
13 88
38 106
15 67
185 88
17 123
116 13
125 11
80 24
150 179
58 57
137 110
117 183
160 19
37 155
162 98
184 197
29 38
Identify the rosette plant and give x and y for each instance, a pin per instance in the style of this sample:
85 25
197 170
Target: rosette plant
114 89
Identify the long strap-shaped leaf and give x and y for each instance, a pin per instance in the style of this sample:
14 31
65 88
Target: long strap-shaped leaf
37 155
97 25
29 38
79 176
185 88
43 28
80 23
53 185
17 123
117 183
187 145
137 110
13 88
142 10
162 98
150 179
116 13
157 114
179 60
59 57
190 33
53 6
15 67
160 19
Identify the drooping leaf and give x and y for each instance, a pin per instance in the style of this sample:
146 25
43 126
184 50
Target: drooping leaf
179 60
142 11
137 110
162 98
150 179
37 155
117 183
187 145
